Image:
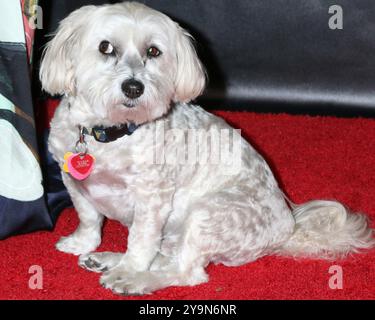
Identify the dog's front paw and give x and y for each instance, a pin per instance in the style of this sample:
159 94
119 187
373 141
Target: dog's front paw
128 284
99 261
109 278
77 245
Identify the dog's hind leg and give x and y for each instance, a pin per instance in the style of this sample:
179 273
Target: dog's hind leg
99 261
223 228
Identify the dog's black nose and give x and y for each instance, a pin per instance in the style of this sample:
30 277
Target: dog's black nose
132 88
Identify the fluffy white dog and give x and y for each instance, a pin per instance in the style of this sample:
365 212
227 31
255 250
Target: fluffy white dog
126 70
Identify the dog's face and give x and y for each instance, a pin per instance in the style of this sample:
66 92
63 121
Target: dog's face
127 61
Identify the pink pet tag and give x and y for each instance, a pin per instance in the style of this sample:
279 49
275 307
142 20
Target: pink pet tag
79 165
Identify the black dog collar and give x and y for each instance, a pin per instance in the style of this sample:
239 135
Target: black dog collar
109 134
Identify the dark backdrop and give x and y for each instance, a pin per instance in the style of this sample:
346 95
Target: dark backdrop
271 54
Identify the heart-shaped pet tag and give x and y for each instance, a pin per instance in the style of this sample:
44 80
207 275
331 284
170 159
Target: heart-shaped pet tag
78 165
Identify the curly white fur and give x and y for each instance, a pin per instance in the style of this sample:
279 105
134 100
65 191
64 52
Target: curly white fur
180 216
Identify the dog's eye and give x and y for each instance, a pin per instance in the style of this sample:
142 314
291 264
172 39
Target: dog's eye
153 52
106 48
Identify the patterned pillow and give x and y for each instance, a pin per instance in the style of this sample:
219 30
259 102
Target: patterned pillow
23 205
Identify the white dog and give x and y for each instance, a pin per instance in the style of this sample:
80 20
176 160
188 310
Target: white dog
124 70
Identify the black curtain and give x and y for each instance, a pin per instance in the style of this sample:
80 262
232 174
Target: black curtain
272 55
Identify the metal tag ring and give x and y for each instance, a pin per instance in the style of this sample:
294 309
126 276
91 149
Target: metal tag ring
81 147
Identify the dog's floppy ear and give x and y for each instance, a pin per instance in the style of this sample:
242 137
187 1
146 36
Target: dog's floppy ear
56 70
190 78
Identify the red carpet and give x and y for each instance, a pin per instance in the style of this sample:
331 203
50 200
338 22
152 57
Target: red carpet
313 157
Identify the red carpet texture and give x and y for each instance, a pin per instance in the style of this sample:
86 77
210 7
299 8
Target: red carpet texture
312 157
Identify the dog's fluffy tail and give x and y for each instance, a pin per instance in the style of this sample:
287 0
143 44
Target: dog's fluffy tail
327 230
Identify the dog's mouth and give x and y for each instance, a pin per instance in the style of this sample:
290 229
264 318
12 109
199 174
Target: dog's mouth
129 105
